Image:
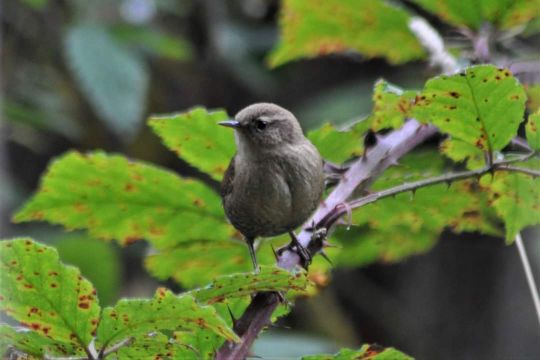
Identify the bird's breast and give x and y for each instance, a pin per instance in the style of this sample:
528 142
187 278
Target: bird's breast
275 194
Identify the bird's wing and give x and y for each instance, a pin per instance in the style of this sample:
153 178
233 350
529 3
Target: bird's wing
227 182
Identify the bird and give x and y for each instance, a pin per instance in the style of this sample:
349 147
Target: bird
275 181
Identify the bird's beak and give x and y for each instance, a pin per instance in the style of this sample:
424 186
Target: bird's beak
230 123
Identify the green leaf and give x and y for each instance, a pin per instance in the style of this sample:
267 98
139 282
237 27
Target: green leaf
516 198
154 41
370 27
460 151
106 276
337 146
198 262
391 106
195 137
156 345
533 133
394 228
135 317
114 80
33 343
244 284
472 14
126 200
366 352
45 295
482 107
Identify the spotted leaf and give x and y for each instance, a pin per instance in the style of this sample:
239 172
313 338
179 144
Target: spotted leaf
482 106
533 133
391 106
114 198
137 317
366 352
44 295
196 137
370 27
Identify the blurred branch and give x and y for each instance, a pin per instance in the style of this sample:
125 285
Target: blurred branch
432 41
528 274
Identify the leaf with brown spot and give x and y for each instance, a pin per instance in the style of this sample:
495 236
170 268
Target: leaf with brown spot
516 198
475 108
366 352
369 27
166 311
391 106
159 206
45 295
532 130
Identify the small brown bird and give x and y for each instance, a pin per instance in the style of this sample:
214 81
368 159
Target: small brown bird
275 180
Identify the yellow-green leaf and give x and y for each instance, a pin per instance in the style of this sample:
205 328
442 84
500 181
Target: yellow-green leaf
482 106
366 352
472 14
135 317
371 27
114 198
337 145
391 106
196 137
533 133
44 295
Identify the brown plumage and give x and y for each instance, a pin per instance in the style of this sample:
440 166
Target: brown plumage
275 180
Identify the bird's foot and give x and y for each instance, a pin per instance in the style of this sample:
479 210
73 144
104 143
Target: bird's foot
305 256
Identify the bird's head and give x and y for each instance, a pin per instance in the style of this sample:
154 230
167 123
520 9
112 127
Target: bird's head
264 126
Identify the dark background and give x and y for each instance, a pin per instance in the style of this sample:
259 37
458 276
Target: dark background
465 299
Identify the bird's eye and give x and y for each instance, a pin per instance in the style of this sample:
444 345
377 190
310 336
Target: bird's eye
260 125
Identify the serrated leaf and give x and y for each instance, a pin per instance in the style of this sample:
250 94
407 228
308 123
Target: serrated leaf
482 106
135 317
533 133
45 295
244 284
115 85
196 137
199 262
394 228
114 198
370 27
157 346
460 151
516 198
391 106
472 14
366 352
335 145
32 343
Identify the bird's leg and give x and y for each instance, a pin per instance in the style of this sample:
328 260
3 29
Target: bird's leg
250 241
304 254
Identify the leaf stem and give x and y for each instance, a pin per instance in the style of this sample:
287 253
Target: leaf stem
528 274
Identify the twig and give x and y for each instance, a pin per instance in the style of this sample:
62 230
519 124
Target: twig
116 347
432 41
527 171
528 274
360 174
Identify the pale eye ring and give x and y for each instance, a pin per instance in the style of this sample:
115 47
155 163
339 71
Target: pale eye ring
260 125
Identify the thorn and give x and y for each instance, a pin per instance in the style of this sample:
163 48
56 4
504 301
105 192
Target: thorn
234 320
448 184
325 257
326 244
